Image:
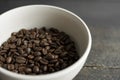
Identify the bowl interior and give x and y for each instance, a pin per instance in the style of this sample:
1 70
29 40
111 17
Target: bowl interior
39 16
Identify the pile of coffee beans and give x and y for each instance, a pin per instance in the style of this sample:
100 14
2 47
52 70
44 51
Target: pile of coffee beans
38 51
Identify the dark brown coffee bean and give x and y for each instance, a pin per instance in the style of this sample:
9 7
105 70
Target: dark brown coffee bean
25 43
51 56
25 55
38 58
36 41
1 63
13 39
28 70
44 61
31 65
28 50
9 59
20 60
12 46
3 51
50 65
21 69
13 50
63 54
44 51
31 61
51 69
45 68
57 64
19 42
30 56
54 61
47 47
37 53
36 69
2 59
30 45
11 67
14 34
20 50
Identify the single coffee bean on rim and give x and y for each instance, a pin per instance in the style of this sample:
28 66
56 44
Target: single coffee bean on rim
38 51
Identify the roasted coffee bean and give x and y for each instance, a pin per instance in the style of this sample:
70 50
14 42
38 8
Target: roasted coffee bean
20 50
36 69
12 46
44 51
19 42
37 51
47 47
28 70
31 61
9 59
54 61
20 60
51 69
45 68
38 58
1 63
2 59
25 43
44 61
30 56
3 51
28 50
10 66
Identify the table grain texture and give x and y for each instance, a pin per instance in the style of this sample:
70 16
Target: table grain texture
103 20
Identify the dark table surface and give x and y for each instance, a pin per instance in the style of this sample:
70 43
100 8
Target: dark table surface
103 19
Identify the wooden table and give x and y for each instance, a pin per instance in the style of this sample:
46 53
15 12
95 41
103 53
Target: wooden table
103 19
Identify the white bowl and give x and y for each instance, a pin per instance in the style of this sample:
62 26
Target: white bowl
50 16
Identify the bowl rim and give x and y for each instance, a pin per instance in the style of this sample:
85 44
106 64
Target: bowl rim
58 73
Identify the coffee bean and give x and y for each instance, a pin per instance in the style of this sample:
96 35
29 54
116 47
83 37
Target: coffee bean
54 61
51 69
36 69
57 64
21 69
36 41
20 60
11 67
2 59
30 56
14 34
1 63
28 50
13 50
50 65
12 46
38 58
25 43
3 51
44 61
20 50
45 68
37 51
19 42
9 59
28 70
63 54
31 65
47 47
44 51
